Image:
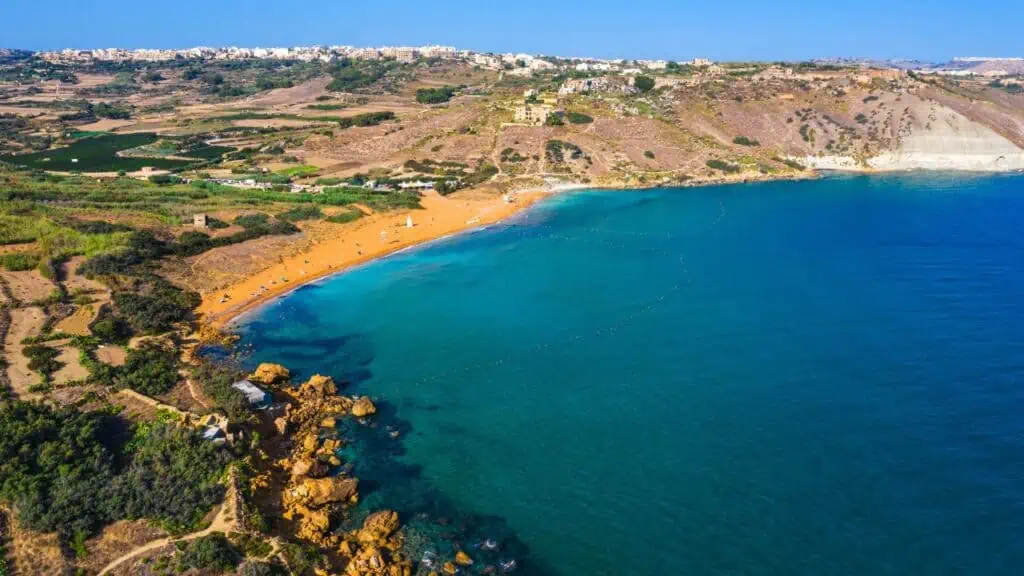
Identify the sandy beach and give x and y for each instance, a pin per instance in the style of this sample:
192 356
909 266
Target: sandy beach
370 237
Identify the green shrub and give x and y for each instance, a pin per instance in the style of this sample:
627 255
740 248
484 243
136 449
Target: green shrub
300 213
216 382
345 217
150 369
42 359
435 95
723 166
649 154
744 141
156 306
578 118
554 120
19 261
212 552
643 83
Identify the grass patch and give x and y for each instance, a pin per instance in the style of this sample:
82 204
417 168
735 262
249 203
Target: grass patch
96 154
19 261
345 217
299 171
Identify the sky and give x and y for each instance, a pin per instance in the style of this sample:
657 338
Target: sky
931 30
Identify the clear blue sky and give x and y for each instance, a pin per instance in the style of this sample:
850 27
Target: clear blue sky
723 30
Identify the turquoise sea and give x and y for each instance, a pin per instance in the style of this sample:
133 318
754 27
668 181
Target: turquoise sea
786 378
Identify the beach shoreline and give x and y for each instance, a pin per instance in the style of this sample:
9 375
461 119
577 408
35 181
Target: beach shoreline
440 218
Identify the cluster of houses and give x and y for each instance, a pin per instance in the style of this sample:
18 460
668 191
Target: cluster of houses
513 64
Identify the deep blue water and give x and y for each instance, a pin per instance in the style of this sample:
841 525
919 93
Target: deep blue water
787 378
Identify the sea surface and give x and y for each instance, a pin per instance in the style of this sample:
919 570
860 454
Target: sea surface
790 378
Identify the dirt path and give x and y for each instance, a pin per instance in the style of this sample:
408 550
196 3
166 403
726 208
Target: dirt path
192 390
225 521
25 322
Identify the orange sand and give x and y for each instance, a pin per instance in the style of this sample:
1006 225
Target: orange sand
360 242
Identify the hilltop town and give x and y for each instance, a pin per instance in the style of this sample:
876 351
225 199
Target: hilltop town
148 197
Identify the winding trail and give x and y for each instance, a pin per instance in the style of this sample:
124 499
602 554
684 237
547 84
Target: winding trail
225 521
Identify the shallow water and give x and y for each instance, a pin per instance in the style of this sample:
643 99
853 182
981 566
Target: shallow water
786 378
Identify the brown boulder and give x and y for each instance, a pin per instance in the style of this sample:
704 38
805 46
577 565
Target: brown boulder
307 467
363 407
320 491
463 559
378 526
318 387
269 374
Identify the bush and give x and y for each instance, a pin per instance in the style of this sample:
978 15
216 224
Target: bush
249 221
212 552
168 459
151 369
164 179
19 261
55 467
744 141
554 120
723 166
300 213
42 359
577 118
649 154
216 383
643 83
345 217
155 307
435 95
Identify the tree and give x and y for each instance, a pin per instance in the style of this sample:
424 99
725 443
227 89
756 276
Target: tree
673 68
643 83
151 369
554 120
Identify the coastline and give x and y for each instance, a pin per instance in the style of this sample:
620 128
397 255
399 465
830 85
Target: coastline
441 217
372 237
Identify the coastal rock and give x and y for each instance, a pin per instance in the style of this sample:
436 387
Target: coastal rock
463 559
321 491
363 407
328 422
318 387
449 568
378 526
368 560
281 424
270 374
308 467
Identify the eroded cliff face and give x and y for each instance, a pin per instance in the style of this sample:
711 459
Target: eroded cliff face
932 136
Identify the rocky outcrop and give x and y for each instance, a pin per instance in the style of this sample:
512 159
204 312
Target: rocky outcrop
378 526
321 491
314 496
270 374
363 407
